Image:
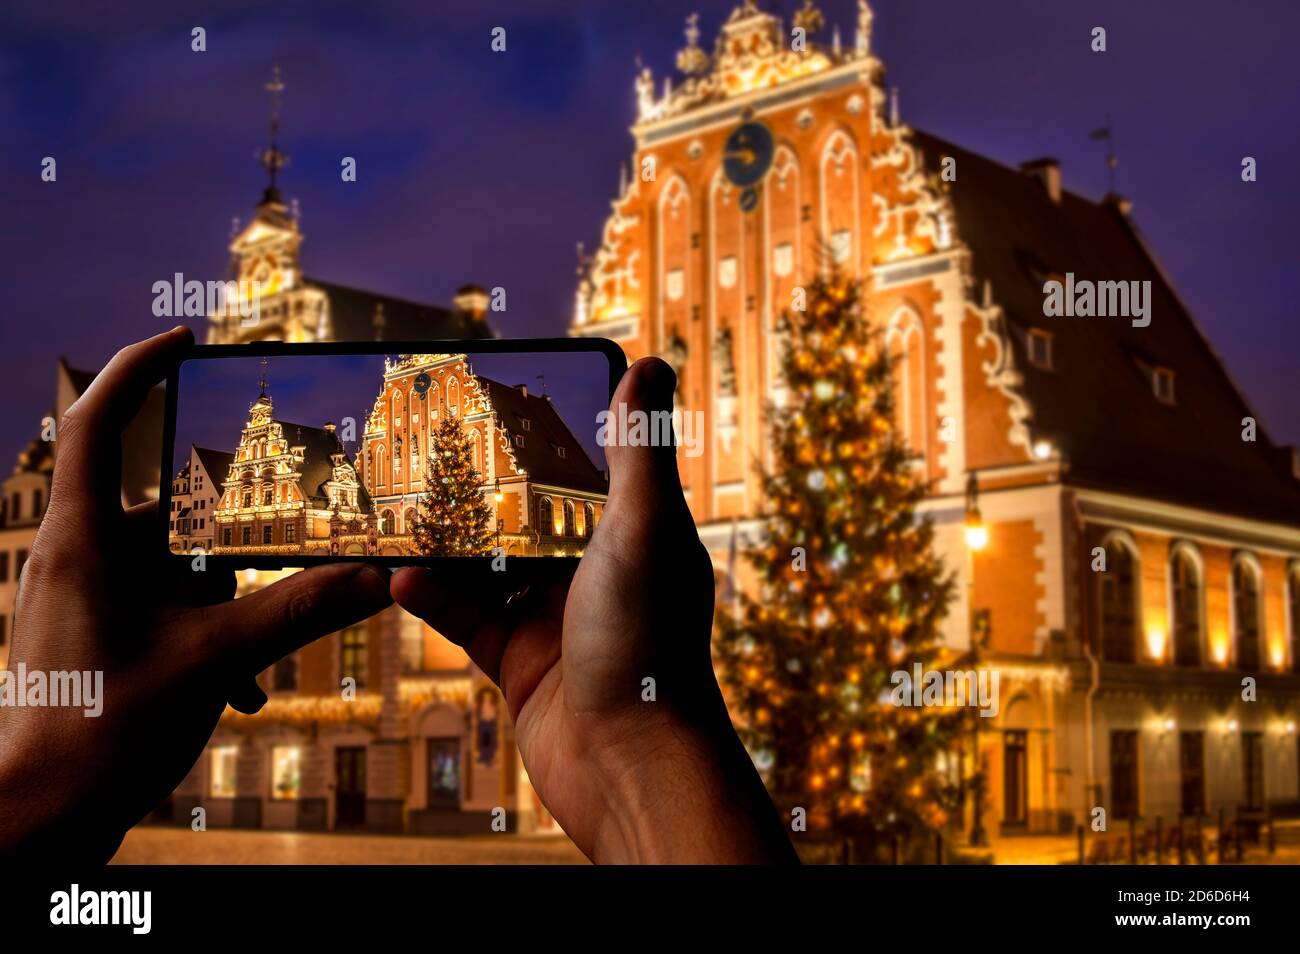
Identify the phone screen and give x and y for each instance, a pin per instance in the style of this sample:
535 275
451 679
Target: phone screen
286 455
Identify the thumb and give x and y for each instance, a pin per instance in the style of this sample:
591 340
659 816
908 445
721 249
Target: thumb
644 484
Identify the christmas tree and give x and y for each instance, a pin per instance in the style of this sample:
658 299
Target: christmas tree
454 518
849 591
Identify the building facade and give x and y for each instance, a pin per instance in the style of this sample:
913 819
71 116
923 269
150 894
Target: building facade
548 494
1141 581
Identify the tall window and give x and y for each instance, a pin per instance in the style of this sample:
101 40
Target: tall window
1252 770
284 675
221 783
1118 602
1123 773
1186 582
588 520
545 516
904 341
1245 609
286 772
290 533
1293 599
266 533
570 525
248 536
408 520
453 397
1191 772
386 521
352 654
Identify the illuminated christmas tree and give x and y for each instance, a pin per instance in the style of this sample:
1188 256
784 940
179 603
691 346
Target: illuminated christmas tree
454 518
848 592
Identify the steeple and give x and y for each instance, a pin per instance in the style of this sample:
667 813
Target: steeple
272 158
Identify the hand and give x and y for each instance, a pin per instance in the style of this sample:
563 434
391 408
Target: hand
627 779
100 593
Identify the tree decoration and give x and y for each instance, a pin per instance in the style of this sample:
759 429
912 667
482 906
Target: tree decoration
807 658
454 517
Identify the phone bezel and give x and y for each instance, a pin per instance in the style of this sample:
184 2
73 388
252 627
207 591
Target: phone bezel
537 565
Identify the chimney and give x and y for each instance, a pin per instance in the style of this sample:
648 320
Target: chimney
1048 172
522 389
471 300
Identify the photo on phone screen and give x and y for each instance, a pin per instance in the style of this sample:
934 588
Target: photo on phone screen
300 456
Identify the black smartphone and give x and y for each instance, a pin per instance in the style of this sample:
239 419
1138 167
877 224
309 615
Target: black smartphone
475 453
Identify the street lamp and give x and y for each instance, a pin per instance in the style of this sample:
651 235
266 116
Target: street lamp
498 494
977 538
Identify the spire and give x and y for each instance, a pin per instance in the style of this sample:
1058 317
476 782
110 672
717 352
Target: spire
272 158
692 60
262 381
862 41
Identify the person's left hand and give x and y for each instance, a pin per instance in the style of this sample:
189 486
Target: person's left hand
99 592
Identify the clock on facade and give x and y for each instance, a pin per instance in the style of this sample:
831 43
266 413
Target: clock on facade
746 157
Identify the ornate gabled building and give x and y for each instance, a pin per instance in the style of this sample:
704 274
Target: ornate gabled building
770 159
290 489
548 494
196 492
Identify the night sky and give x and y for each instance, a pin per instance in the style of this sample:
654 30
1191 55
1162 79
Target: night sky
214 394
489 167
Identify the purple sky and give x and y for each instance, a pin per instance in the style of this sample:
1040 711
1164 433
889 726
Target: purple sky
488 167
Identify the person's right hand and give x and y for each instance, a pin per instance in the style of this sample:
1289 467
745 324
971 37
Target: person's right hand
628 779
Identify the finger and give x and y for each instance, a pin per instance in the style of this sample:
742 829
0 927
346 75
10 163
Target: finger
483 624
645 488
247 697
249 634
184 584
88 474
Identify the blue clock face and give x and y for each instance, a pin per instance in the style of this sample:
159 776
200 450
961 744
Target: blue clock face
421 385
747 155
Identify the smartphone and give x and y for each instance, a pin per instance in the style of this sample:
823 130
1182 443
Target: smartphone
472 454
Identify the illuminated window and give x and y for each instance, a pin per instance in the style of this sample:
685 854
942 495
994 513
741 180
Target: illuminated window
291 533
352 654
248 536
1185 580
1245 614
570 528
588 519
221 782
286 772
545 515
1117 598
1293 599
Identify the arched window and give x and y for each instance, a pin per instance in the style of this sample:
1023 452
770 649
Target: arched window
1185 603
476 452
545 516
1245 612
397 408
386 520
1293 603
588 520
453 397
415 454
408 520
379 466
906 346
434 399
570 525
1118 601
